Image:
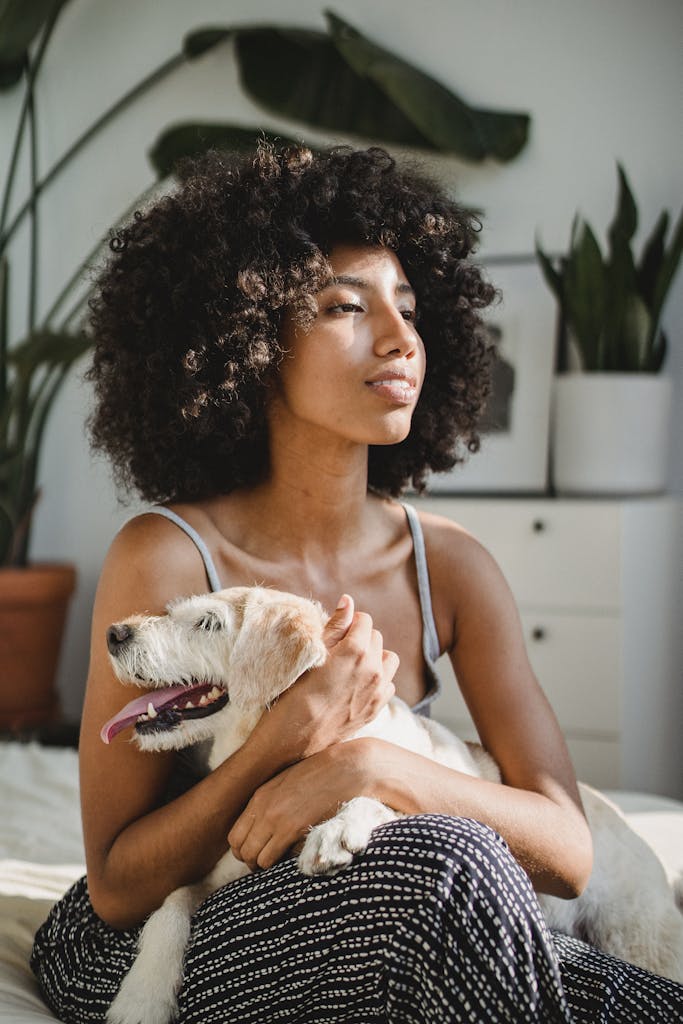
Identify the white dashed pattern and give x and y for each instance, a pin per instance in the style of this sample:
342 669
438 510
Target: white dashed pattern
435 924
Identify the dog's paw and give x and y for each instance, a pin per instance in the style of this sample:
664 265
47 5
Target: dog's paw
332 845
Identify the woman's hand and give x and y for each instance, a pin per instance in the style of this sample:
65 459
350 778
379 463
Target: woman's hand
280 812
331 703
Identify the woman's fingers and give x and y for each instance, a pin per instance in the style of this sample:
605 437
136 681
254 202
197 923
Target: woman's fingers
247 838
241 828
390 663
260 839
337 625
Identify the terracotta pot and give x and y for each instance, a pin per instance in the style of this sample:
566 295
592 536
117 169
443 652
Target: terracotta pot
33 606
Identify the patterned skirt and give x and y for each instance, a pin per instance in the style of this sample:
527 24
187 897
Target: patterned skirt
435 924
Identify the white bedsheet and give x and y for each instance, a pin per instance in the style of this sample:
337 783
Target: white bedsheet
41 855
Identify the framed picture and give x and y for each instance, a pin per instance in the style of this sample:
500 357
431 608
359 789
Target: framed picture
515 427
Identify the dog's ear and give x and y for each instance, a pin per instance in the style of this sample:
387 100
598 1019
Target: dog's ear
276 643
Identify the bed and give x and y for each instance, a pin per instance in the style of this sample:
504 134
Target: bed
41 854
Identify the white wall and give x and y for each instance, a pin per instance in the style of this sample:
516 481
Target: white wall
601 80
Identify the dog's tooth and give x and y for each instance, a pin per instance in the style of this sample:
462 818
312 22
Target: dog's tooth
189 704
203 700
151 710
214 692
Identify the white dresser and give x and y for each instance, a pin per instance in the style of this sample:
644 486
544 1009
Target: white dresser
599 586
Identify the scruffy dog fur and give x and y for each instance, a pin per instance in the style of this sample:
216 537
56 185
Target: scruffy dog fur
229 655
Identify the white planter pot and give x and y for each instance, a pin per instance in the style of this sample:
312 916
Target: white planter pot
610 433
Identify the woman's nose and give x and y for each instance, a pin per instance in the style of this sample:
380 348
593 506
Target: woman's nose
395 334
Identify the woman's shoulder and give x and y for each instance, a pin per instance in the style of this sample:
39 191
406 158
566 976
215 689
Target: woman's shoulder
445 539
154 556
461 569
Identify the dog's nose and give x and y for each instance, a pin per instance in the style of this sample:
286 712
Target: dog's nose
118 636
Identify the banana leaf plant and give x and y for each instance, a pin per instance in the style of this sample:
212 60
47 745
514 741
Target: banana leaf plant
340 82
343 82
611 306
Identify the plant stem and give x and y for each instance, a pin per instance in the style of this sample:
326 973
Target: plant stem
155 76
33 251
31 75
94 252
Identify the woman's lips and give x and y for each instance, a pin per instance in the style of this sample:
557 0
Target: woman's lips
393 389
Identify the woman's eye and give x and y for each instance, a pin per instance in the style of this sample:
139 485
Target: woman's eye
346 307
409 314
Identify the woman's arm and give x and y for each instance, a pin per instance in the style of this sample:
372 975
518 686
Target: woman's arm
138 848
537 809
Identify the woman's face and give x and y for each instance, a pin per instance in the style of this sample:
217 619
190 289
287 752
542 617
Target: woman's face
356 371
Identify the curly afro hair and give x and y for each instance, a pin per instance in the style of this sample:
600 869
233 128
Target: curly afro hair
186 317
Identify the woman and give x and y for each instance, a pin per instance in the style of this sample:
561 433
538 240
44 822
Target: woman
282 345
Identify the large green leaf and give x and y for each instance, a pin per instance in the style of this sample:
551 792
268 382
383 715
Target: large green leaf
300 75
48 349
622 302
657 352
668 271
651 259
450 124
585 293
553 277
20 22
634 331
185 140
344 83
625 222
197 43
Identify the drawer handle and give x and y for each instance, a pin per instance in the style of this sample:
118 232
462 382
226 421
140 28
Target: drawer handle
538 525
538 633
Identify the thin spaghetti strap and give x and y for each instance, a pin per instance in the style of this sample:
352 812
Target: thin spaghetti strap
211 573
430 639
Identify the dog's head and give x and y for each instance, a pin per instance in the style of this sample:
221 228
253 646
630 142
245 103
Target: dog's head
235 649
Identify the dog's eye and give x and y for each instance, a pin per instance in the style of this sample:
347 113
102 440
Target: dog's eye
210 622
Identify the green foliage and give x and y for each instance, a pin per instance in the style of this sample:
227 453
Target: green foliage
31 374
187 140
20 22
611 305
444 119
340 82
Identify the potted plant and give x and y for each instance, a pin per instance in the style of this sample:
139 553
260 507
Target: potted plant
611 397
339 81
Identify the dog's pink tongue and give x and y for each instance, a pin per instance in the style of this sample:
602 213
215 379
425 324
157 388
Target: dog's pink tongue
127 715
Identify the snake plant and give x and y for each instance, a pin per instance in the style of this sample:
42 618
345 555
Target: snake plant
611 305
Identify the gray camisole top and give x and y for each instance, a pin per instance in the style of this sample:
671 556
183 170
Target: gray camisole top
430 640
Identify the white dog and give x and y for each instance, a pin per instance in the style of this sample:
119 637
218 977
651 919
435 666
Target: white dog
229 655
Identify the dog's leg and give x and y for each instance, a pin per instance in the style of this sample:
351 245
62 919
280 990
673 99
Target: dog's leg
149 990
331 846
148 993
